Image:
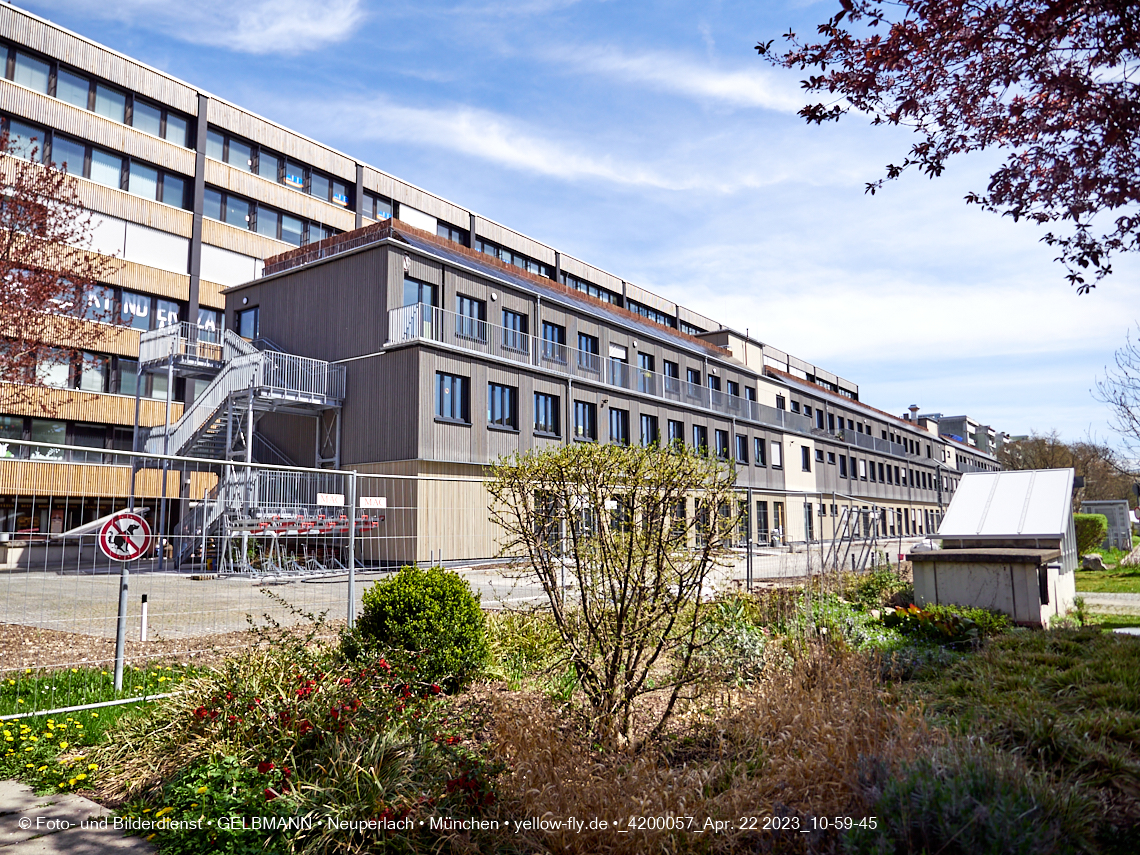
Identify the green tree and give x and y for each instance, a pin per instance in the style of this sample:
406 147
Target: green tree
622 541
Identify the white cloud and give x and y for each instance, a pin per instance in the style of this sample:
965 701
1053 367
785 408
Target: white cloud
681 75
255 26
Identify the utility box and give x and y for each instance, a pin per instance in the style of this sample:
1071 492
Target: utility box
1008 544
1119 525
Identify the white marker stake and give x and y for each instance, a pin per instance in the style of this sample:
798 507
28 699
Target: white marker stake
142 623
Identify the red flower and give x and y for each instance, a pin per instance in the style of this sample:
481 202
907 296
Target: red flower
270 794
435 690
286 771
265 766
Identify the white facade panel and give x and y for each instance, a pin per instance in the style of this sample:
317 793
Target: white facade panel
108 235
228 268
156 248
416 218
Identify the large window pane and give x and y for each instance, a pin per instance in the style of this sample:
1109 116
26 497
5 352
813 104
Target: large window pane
173 190
266 221
89 436
210 323
54 371
100 302
319 186
47 430
215 143
212 204
158 386
166 312
144 181
294 175
247 323
25 140
176 129
292 230
32 72
71 88
11 427
106 168
94 373
128 376
267 165
240 155
136 311
147 118
68 154
237 212
110 103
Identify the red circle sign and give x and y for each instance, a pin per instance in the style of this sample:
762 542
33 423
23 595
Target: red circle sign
124 537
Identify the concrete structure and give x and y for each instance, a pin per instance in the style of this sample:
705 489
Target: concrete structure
1008 544
197 195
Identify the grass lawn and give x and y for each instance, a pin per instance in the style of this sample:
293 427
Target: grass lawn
1109 622
1068 701
1111 580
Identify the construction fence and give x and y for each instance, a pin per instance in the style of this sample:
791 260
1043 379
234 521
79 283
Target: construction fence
236 544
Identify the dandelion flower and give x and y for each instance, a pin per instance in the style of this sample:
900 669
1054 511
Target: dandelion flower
62 746
163 812
201 790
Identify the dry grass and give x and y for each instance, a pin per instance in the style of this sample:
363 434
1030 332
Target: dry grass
794 745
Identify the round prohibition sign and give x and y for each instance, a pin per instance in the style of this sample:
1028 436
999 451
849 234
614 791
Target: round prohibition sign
124 537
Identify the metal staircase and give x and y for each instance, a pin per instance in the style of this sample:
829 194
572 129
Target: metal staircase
246 383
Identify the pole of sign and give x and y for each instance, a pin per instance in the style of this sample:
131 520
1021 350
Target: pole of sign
121 628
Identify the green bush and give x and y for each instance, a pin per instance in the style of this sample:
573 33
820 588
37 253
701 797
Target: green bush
877 588
1091 531
944 624
966 801
430 612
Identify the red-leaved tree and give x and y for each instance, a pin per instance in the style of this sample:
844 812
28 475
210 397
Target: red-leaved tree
1050 82
48 272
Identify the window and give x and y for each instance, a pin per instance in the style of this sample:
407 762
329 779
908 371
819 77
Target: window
546 414
649 435
777 455
471 318
588 353
693 376
585 421
831 457
652 314
166 312
502 406
451 398
689 329
807 411
54 370
778 517
106 168
871 470
721 439
843 466
890 477
805 458
749 393
880 473
32 73
110 103
818 419
47 430
448 231
553 342
619 426
596 291
714 383
701 439
244 214
862 470
515 259
780 404
676 433
831 422
619 366
758 451
247 322
646 377
377 207
733 388
73 89
741 449
762 531
795 406
859 427
851 424
514 331
819 455
69 155
672 374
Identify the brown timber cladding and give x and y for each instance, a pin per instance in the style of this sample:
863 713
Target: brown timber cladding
74 405
47 478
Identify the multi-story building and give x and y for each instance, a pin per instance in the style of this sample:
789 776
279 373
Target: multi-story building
464 339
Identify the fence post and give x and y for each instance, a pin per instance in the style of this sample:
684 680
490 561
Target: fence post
351 549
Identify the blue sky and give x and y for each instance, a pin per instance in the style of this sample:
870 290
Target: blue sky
648 139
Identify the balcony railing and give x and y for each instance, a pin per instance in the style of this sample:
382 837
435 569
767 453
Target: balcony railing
421 322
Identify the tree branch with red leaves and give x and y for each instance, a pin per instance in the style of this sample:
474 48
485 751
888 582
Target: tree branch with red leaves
1050 82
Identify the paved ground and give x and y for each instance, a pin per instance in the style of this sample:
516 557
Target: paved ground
1113 603
66 824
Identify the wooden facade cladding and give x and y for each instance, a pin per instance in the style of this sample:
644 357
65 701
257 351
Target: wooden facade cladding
421 200
91 127
513 240
53 40
74 405
647 298
210 295
134 209
111 338
151 280
239 240
273 136
245 183
49 478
